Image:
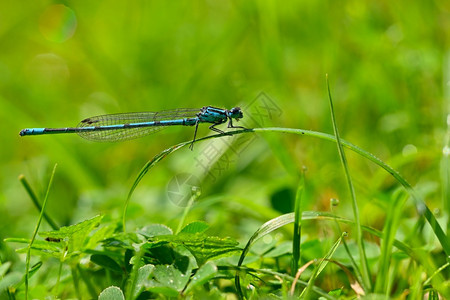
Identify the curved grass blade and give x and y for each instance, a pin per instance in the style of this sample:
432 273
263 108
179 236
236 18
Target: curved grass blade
286 219
421 207
359 238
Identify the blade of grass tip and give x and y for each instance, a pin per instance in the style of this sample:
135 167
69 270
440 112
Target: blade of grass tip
297 225
44 203
35 201
359 237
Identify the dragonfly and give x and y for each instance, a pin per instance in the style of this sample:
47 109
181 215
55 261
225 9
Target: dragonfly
127 126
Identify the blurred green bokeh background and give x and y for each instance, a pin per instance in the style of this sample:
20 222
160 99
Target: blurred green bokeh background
389 68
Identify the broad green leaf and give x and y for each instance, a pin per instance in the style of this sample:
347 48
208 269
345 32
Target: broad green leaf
100 235
123 240
195 227
205 273
142 279
39 247
111 293
155 230
74 234
203 247
164 290
167 276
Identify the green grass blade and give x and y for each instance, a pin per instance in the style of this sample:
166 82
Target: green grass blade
359 238
35 201
421 207
283 276
442 268
306 294
280 221
445 164
393 215
41 215
347 249
297 226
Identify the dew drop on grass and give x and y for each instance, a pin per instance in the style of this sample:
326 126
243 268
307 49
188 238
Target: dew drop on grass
334 201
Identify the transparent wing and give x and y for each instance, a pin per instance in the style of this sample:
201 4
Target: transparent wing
125 133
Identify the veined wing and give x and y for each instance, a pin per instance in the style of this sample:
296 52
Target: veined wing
127 133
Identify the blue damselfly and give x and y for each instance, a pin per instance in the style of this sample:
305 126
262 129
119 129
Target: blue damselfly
127 126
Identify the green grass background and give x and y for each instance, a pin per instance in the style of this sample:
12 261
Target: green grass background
389 68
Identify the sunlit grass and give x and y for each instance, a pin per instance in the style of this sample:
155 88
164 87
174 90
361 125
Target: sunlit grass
389 68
